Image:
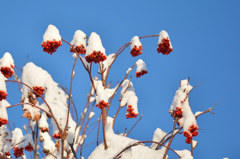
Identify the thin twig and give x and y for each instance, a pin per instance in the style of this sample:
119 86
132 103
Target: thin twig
98 128
168 146
50 110
114 117
139 143
134 125
209 110
68 112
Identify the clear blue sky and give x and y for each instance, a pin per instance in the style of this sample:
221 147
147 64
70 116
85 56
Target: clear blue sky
205 38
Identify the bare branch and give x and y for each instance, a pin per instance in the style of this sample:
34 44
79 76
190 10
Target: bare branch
134 125
139 143
209 110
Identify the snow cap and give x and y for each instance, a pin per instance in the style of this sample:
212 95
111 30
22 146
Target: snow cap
95 50
7 65
51 34
79 39
136 46
141 68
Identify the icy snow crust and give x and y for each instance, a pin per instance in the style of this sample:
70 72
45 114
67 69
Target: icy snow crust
116 143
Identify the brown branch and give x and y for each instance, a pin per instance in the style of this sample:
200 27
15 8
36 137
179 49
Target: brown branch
138 143
209 110
168 146
134 125
48 152
90 144
192 149
68 112
50 110
119 86
197 85
89 73
98 127
103 126
101 71
163 140
148 36
66 42
114 117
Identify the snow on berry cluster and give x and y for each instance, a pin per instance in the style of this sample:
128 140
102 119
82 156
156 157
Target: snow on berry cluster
141 68
181 110
95 51
164 44
7 65
51 39
129 98
78 44
136 46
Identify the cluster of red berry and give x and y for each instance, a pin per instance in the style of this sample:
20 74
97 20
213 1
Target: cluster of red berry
164 47
51 46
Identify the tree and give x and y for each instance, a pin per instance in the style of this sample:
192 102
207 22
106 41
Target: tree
44 100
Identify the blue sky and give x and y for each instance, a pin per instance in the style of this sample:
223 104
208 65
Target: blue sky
205 39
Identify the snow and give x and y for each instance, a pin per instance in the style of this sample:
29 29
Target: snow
34 76
106 63
116 143
48 144
157 137
164 34
79 39
52 33
180 95
91 114
28 139
2 83
188 118
194 144
101 94
129 69
185 154
75 56
3 110
7 61
198 112
141 66
91 99
94 44
71 129
5 139
128 96
86 64
17 138
43 121
135 42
